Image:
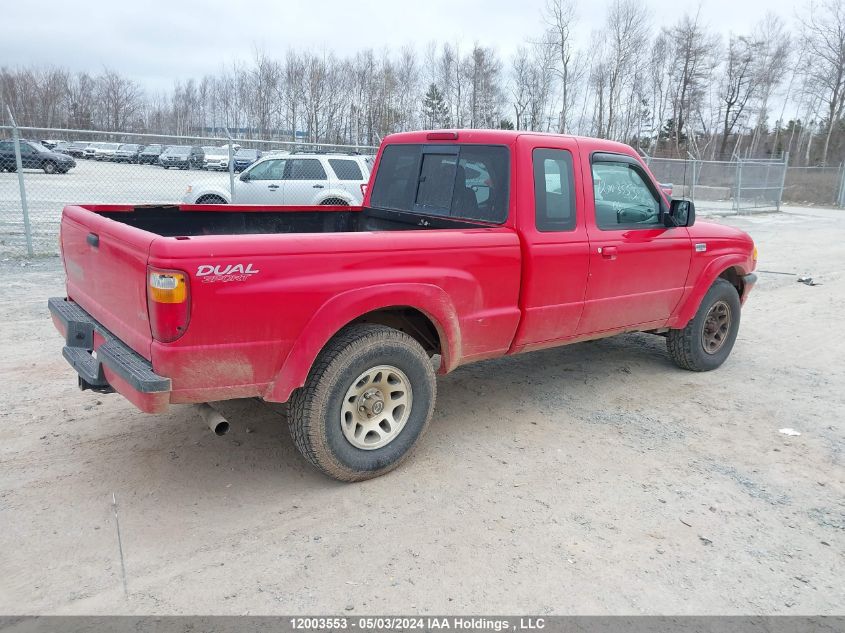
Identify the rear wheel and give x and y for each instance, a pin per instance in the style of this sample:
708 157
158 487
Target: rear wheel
707 340
210 199
366 402
49 167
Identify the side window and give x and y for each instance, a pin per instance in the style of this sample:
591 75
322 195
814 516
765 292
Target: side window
26 148
305 169
268 170
623 199
7 146
346 169
554 190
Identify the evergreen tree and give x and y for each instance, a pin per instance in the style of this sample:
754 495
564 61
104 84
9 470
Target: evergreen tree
435 110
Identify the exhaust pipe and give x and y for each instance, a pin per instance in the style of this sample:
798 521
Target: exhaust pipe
213 419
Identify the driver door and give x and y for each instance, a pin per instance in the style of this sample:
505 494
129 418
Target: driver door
638 267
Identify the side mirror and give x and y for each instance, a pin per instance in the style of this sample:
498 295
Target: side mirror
681 213
244 177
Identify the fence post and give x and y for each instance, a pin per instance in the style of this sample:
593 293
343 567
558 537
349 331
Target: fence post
19 164
782 179
738 196
231 170
841 198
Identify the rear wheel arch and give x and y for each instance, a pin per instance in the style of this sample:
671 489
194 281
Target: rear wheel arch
421 315
335 200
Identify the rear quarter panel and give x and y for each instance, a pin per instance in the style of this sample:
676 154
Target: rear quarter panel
258 334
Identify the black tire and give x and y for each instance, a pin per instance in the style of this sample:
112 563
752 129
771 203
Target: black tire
165 166
314 414
688 347
210 199
49 167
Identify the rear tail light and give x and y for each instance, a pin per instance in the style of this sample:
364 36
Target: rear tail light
363 189
168 303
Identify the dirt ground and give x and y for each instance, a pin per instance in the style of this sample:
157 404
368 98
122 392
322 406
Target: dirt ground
592 479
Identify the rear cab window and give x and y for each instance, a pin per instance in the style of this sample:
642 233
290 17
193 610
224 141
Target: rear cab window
452 180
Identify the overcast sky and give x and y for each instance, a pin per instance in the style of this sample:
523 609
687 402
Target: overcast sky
157 43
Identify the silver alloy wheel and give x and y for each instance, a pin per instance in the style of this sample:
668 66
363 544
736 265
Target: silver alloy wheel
717 325
376 407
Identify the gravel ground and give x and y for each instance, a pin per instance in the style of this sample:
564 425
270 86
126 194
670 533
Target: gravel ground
591 479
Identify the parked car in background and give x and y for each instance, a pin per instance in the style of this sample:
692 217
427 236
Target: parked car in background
50 143
128 153
150 154
305 179
90 149
100 150
34 156
76 148
182 157
215 158
245 157
61 147
106 151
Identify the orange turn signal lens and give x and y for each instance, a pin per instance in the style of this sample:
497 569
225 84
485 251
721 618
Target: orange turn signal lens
168 287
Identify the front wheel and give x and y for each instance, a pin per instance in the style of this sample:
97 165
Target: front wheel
366 402
707 340
49 167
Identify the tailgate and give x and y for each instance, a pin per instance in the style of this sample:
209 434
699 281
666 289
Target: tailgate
106 265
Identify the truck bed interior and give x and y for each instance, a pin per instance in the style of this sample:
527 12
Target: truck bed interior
171 221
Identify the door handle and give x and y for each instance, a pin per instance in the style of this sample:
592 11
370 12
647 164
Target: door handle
273 187
608 252
318 186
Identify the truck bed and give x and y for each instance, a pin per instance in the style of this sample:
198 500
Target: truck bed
195 220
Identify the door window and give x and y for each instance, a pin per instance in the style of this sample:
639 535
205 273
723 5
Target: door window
268 170
554 190
623 198
305 169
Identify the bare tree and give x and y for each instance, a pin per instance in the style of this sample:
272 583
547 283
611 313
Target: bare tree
824 34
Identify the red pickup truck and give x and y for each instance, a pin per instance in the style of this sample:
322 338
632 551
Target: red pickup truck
469 245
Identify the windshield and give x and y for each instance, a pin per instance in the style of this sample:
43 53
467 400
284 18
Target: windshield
215 151
247 153
152 148
179 150
131 147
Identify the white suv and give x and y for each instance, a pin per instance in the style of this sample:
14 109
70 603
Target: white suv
291 179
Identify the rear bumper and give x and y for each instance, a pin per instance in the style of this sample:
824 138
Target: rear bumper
103 362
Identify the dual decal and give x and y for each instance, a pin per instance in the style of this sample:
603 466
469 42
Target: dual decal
210 273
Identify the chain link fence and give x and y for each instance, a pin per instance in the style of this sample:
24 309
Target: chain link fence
738 186
46 169
117 167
